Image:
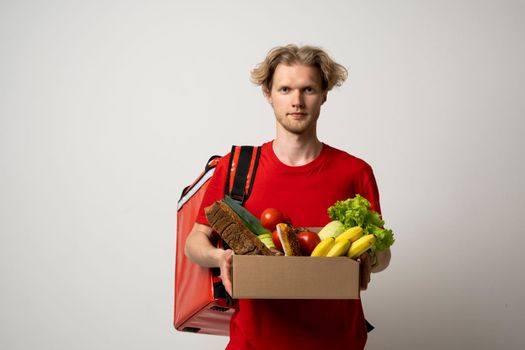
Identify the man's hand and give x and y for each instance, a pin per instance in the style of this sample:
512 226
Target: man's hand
225 264
200 250
365 268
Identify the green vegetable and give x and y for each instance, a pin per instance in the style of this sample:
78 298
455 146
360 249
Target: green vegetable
355 212
251 221
266 238
332 229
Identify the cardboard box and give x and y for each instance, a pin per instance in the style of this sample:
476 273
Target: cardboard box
295 277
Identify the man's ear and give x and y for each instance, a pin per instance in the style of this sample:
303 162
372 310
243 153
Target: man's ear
267 95
325 95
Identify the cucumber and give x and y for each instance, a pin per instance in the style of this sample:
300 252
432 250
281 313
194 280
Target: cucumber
251 221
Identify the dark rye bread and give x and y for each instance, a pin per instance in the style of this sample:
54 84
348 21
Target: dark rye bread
233 231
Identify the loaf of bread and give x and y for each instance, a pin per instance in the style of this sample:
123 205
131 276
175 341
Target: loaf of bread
233 230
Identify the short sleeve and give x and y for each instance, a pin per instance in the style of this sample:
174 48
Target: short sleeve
369 189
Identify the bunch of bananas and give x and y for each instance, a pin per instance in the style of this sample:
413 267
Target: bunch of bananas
351 243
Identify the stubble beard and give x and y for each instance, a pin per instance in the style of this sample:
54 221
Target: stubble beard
297 127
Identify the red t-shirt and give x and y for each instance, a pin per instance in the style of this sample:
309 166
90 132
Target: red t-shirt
304 193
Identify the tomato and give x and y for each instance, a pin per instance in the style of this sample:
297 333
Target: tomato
277 241
270 217
308 241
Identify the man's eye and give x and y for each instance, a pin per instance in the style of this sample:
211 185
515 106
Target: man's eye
284 89
309 90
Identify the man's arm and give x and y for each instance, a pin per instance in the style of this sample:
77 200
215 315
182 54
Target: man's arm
200 250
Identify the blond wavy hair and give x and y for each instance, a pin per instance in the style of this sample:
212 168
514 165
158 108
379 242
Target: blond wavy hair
332 73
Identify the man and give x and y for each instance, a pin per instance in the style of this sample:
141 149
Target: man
301 176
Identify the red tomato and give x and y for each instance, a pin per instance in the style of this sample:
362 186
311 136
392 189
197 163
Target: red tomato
271 217
308 241
277 241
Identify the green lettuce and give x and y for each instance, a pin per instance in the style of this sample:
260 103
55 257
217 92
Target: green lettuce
356 212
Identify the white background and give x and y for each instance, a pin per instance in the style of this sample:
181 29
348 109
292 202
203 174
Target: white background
109 108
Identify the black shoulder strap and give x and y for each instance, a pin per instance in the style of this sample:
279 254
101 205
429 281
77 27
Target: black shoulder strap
242 167
239 182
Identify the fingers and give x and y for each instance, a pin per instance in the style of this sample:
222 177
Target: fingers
227 285
365 268
225 267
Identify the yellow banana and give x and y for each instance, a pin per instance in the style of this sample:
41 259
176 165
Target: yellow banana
352 234
361 245
339 248
323 247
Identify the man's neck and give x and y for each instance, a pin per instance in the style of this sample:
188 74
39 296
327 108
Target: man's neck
296 150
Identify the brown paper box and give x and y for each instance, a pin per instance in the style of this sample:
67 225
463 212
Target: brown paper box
295 277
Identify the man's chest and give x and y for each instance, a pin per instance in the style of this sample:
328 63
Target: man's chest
304 197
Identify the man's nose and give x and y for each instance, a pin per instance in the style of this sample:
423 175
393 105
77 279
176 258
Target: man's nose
297 100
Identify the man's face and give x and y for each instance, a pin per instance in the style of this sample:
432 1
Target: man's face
296 97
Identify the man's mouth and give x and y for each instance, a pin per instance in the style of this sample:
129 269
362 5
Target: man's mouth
297 114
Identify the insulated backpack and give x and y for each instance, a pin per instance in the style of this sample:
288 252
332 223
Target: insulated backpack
201 302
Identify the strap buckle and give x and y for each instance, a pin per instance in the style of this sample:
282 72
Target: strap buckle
238 198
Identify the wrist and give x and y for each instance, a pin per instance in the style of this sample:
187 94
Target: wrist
222 255
218 256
